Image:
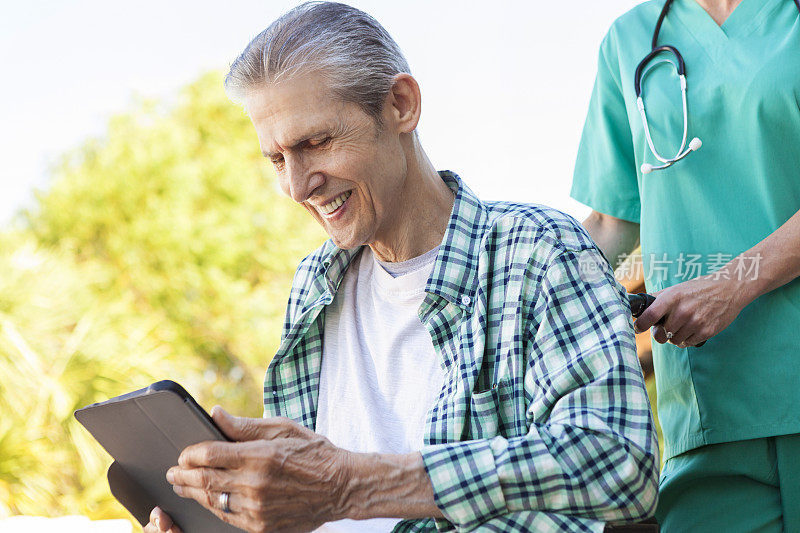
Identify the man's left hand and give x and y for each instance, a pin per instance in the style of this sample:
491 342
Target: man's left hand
280 475
692 311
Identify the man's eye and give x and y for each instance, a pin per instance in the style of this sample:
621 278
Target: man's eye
319 142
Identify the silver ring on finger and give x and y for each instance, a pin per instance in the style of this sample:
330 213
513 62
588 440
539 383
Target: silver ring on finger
669 335
224 498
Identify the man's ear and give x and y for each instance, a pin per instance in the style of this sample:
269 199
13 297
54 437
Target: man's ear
404 102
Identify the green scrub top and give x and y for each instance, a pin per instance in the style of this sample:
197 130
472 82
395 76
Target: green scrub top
741 185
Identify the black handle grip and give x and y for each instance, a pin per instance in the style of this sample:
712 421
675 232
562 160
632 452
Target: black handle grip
641 301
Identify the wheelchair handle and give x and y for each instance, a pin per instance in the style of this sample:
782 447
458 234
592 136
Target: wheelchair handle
641 301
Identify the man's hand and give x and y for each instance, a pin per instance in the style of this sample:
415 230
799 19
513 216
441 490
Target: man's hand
693 311
280 475
160 521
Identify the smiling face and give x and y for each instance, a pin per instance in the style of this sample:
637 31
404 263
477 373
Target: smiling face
331 157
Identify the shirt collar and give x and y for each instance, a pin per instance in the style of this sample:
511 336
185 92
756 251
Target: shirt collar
454 275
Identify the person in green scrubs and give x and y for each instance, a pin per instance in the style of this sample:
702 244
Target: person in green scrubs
720 241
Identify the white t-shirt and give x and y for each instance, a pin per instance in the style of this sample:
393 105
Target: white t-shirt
380 374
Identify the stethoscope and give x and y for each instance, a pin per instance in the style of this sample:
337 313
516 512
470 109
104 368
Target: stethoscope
695 143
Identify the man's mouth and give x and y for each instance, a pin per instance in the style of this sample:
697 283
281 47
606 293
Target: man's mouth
329 209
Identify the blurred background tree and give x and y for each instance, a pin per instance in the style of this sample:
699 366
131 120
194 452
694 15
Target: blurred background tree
163 249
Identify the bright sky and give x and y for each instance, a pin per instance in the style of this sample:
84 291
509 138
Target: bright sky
505 84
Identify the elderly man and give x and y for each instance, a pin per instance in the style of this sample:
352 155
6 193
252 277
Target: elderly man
446 363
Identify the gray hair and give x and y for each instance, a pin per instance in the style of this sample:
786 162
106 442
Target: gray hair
350 48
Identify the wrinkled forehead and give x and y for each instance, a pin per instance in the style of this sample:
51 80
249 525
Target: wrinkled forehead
291 108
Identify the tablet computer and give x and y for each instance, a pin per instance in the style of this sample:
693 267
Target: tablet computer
145 431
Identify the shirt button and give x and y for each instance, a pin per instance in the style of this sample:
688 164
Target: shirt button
466 300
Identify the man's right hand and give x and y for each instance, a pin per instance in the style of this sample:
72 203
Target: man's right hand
160 521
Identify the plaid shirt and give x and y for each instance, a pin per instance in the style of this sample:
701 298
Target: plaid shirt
543 423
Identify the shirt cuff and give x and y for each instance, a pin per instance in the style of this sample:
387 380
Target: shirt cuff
466 485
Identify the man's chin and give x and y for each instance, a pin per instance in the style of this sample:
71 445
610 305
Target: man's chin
345 244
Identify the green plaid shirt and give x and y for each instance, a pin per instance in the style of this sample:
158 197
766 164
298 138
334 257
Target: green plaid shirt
543 423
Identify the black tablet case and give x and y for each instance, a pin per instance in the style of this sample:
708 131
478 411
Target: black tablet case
145 432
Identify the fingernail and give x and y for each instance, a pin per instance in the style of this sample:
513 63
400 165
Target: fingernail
170 476
178 490
158 523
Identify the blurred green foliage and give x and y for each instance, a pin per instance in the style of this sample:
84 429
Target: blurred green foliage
163 249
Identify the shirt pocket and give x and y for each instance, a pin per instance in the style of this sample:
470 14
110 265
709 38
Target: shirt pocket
484 416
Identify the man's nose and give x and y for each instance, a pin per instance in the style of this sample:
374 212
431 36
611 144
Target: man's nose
302 180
